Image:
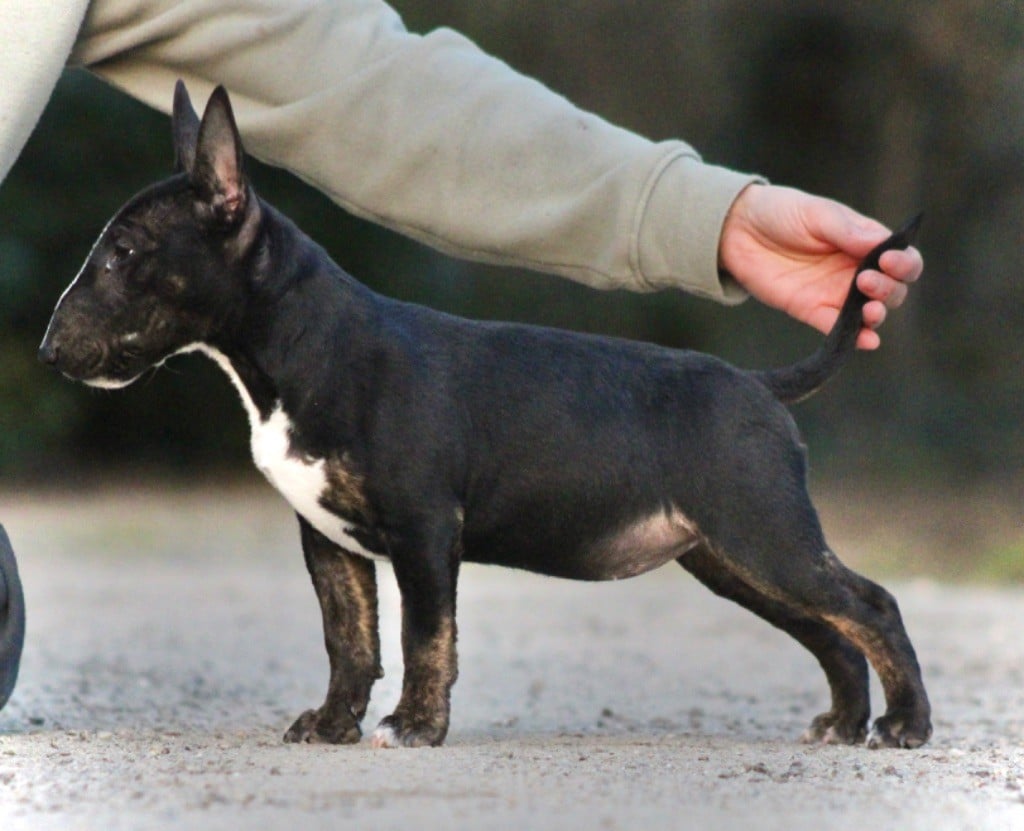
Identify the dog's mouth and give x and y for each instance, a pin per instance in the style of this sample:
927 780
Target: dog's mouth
96 363
116 370
108 383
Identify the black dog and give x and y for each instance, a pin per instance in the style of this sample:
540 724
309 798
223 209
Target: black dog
401 432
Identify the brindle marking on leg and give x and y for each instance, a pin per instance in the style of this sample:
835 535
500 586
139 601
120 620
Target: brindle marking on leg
422 715
345 495
346 587
844 665
867 616
906 721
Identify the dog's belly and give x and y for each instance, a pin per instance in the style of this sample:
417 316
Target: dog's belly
642 546
632 548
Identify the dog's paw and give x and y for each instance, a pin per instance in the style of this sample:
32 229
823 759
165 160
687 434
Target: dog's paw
831 728
394 731
313 728
899 730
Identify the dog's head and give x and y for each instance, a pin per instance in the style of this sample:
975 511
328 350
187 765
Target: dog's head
168 272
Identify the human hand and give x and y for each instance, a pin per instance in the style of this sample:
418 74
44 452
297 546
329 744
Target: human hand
798 253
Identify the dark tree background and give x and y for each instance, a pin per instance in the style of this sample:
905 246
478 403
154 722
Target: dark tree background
891 107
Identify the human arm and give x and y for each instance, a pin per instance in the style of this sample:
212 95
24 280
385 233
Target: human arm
37 39
430 136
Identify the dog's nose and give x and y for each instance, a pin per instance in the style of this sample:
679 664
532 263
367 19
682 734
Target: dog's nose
48 352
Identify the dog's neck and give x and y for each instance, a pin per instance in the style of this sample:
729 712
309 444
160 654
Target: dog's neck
302 316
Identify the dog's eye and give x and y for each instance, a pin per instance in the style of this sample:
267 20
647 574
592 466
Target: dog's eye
123 251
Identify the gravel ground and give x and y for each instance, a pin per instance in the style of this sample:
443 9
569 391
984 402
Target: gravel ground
173 638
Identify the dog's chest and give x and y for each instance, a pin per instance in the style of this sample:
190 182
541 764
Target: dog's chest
322 491
310 485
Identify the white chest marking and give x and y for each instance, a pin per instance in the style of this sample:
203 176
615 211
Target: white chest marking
302 481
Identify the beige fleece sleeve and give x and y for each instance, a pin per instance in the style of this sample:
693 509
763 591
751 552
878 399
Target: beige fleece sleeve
430 136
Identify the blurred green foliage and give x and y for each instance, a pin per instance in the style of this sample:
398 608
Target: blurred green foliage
889 107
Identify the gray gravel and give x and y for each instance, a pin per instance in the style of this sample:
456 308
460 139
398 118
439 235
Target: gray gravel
173 637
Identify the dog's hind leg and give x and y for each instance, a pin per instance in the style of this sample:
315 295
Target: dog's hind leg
786 562
426 563
845 666
346 587
873 622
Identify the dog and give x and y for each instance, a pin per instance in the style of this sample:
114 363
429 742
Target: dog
399 432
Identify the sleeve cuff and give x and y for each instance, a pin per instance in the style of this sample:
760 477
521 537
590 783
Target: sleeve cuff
673 253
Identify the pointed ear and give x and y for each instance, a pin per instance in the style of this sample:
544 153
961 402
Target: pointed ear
217 173
184 129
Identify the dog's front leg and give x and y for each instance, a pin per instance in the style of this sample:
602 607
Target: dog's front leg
427 572
346 587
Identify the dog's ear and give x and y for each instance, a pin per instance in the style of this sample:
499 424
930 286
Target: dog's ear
184 129
217 171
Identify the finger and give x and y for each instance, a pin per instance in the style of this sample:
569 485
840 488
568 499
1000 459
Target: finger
868 340
905 266
883 288
873 314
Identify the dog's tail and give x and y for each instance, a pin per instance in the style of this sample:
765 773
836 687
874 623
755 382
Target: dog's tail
800 380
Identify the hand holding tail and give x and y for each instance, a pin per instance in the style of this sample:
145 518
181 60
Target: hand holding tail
797 253
802 379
